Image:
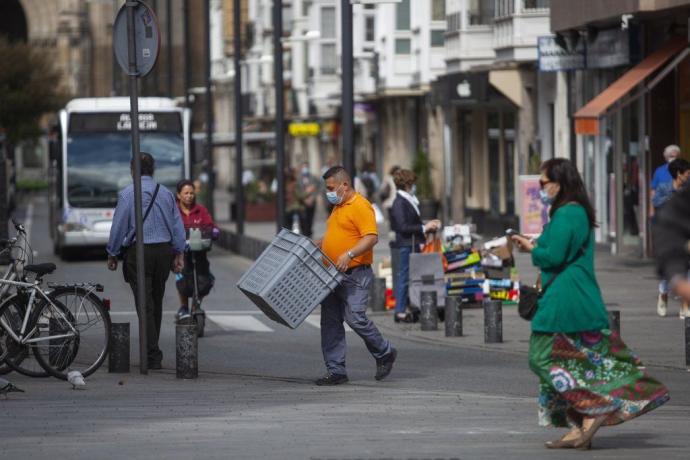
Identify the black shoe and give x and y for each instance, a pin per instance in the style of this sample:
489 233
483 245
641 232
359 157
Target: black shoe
332 379
155 365
384 366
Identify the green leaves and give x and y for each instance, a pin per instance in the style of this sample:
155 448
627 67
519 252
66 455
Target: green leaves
29 88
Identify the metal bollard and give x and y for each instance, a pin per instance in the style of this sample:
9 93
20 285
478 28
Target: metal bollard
429 316
186 347
615 321
687 343
453 317
118 357
493 321
377 294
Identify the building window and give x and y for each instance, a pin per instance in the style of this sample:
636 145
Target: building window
454 21
403 46
480 12
328 22
536 4
437 38
505 8
402 15
369 29
328 59
438 10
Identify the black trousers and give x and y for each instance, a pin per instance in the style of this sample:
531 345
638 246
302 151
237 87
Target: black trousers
306 221
158 260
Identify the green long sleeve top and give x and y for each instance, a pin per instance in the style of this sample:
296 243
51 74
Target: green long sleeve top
573 302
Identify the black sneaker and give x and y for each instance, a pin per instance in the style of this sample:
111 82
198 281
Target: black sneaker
332 379
183 313
384 366
155 365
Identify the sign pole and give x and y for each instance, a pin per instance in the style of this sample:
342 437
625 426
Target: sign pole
239 167
136 155
280 113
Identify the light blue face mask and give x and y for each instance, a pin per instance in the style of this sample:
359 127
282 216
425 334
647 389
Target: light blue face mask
333 197
545 198
413 189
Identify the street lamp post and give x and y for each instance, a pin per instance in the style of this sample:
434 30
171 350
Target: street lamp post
211 184
169 34
347 76
280 115
187 54
239 186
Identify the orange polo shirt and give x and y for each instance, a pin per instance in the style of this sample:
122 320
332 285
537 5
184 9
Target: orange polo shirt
347 224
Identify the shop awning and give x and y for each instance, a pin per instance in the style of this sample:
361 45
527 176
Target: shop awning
587 118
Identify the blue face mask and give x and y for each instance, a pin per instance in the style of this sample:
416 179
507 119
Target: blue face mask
413 189
545 198
333 197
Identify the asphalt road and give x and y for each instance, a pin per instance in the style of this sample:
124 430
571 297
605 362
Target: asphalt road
254 397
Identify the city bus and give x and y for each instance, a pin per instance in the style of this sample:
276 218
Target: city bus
90 162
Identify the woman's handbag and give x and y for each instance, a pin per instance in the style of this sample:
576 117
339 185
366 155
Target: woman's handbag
530 295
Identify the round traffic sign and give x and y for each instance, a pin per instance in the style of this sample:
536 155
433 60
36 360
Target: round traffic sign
147 38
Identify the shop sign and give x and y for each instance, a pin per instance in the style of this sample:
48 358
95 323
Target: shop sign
462 88
554 57
608 48
533 213
303 129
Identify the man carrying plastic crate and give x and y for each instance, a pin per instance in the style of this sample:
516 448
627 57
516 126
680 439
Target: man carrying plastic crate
351 234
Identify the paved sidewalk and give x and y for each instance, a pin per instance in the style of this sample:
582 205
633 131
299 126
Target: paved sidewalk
628 285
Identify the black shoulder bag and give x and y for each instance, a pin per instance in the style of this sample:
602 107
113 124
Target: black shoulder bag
530 295
123 249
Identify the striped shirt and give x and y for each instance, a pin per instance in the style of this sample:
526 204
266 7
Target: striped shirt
163 225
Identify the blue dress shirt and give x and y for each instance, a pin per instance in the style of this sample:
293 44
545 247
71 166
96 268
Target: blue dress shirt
163 225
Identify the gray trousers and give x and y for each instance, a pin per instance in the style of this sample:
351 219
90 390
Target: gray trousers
349 303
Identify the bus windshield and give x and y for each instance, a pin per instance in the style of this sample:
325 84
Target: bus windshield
98 164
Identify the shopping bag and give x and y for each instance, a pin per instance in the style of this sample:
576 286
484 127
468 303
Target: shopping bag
433 245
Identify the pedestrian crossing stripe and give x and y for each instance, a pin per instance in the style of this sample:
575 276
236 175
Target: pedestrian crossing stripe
241 321
246 323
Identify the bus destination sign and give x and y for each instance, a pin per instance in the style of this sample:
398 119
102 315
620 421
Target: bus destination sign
116 121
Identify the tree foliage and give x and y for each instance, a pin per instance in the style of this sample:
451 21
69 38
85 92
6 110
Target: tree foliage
30 86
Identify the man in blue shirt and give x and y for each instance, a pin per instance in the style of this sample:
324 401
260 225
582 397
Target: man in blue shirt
679 169
164 244
662 174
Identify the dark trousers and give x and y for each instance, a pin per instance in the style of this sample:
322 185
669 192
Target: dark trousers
306 221
158 260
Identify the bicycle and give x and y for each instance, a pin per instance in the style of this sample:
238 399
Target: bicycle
11 274
64 329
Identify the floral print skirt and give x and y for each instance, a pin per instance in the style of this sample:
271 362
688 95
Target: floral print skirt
590 374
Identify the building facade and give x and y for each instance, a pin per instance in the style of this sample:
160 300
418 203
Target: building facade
492 98
621 130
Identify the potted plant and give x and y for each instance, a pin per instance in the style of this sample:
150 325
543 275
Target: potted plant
260 204
428 205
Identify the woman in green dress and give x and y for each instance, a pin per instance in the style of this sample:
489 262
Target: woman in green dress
588 377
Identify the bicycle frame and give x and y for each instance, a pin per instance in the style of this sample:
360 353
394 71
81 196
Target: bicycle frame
24 338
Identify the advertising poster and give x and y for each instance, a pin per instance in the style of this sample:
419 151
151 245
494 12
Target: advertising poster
533 213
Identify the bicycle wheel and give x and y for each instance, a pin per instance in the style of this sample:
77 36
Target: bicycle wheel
4 337
82 338
18 357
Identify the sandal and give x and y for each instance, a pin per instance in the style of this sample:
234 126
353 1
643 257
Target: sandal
585 442
563 443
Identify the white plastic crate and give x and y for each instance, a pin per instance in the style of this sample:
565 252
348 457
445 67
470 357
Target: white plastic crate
289 279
